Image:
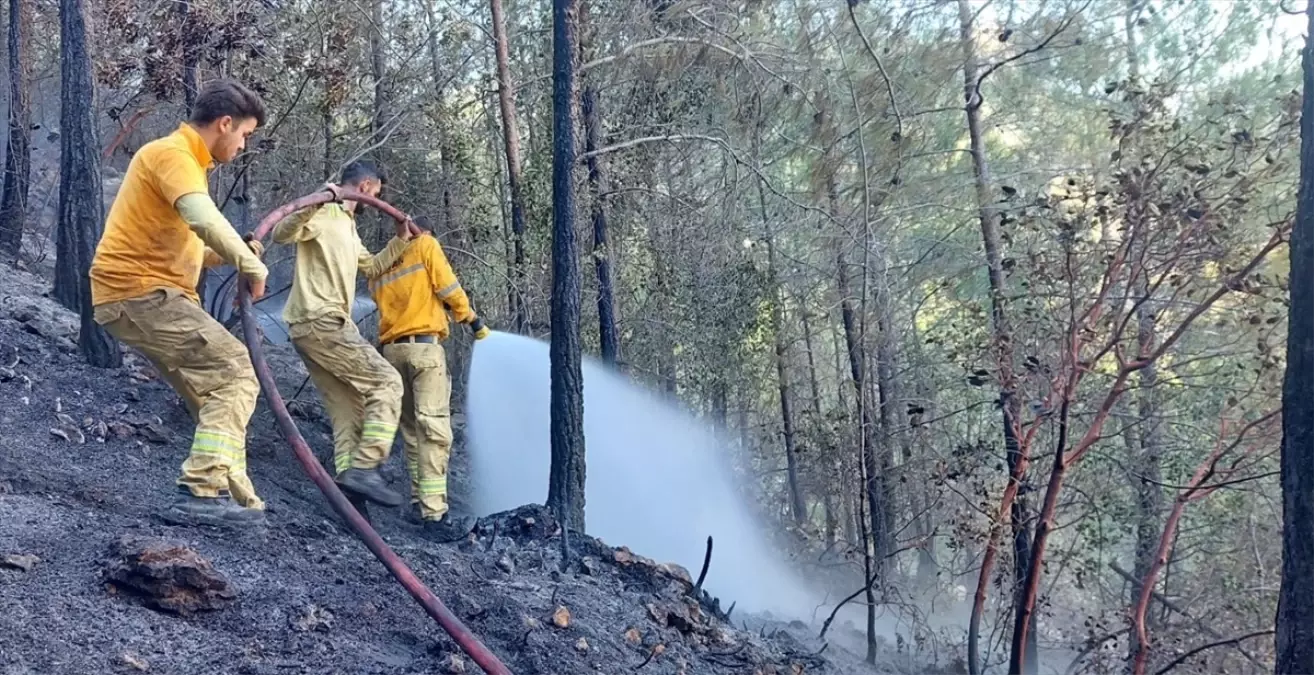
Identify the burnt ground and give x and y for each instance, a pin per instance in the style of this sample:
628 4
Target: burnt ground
88 456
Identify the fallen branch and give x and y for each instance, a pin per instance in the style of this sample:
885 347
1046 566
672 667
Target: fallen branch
1236 641
1174 607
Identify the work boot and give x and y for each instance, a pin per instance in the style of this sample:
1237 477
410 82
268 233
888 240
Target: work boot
451 527
368 483
221 510
361 504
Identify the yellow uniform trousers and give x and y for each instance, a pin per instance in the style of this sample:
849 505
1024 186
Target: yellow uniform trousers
362 392
210 369
426 421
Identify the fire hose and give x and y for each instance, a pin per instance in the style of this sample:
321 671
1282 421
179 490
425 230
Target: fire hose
361 527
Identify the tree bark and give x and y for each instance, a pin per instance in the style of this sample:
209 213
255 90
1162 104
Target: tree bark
798 507
1146 445
511 136
609 338
566 483
1295 613
193 39
81 205
1002 342
18 159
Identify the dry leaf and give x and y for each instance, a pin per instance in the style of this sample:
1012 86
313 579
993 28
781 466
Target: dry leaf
582 645
455 664
561 618
135 661
88 423
64 419
59 405
531 622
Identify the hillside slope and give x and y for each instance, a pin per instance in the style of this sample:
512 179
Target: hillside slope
310 597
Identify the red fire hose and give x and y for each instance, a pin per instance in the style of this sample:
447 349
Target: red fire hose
430 602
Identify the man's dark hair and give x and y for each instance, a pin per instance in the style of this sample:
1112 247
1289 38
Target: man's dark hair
424 223
227 97
361 170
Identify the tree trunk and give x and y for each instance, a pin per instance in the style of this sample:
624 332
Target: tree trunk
193 42
1148 444
1295 614
566 484
1003 345
378 72
511 135
798 508
18 160
81 205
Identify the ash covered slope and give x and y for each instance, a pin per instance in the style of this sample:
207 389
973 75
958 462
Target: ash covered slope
310 597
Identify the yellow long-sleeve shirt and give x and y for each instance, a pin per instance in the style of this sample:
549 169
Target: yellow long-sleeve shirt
414 295
329 254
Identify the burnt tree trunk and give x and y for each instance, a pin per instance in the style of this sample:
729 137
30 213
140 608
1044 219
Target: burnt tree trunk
566 481
1003 345
609 338
81 206
1295 614
511 137
797 506
18 160
193 39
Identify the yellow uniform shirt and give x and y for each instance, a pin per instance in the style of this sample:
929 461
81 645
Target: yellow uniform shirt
414 294
329 253
146 244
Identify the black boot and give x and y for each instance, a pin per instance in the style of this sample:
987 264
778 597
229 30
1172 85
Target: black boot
450 528
368 483
221 510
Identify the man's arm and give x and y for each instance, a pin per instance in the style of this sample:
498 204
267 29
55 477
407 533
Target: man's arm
445 284
204 218
181 181
302 225
375 265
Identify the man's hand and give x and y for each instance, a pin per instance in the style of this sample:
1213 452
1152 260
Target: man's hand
335 190
406 229
481 331
254 244
257 288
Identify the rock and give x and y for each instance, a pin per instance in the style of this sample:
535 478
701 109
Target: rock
589 565
135 662
167 576
676 572
561 618
121 430
455 664
314 617
582 645
506 564
23 562
70 434
633 636
155 433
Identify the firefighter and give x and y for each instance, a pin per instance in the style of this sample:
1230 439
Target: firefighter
413 298
162 229
362 391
